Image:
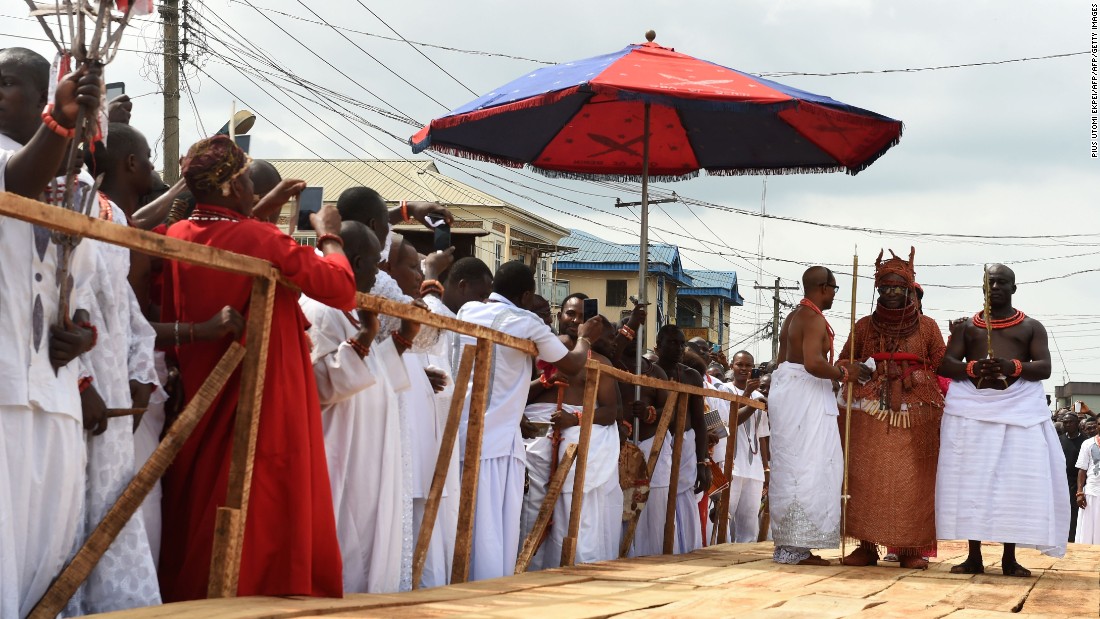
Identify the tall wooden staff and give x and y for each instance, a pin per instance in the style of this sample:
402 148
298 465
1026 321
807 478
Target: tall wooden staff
848 412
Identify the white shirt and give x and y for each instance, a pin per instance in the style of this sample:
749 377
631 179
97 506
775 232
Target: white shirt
510 376
747 462
1088 460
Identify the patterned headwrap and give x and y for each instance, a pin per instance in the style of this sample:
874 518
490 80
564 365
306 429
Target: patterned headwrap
896 266
212 164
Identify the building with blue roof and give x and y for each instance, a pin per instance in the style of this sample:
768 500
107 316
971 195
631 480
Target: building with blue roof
609 272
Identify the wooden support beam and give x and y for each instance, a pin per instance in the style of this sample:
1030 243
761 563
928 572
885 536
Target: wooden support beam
129 502
724 503
382 305
225 560
546 510
57 218
668 385
591 390
442 463
654 454
475 428
674 477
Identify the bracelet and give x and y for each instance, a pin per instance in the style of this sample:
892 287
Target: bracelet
330 237
1019 368
84 383
650 414
95 332
970 369
584 338
404 211
431 285
400 339
844 376
627 332
54 126
629 426
702 462
544 381
358 347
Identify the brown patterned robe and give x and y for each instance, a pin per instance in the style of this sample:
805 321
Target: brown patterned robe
892 464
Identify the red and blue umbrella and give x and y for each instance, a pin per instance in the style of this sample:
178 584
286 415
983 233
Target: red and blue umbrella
586 119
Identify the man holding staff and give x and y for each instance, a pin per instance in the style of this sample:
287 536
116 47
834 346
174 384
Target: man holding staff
1001 467
807 465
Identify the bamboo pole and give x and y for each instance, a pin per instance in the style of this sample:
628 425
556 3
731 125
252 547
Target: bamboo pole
546 510
654 455
225 559
442 463
76 572
591 390
731 454
471 465
674 476
848 413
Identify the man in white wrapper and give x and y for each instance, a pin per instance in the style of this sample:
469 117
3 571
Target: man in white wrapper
124 376
807 465
42 451
468 279
694 471
357 380
750 461
1001 469
602 509
1088 492
499 498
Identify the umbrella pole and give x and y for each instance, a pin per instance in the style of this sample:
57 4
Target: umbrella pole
643 258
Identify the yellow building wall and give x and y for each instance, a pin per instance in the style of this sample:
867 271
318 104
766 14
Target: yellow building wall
594 284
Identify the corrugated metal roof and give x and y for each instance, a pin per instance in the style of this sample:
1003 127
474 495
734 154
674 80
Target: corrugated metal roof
713 284
395 180
596 254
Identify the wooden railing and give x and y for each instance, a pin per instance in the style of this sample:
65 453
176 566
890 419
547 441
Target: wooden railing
252 357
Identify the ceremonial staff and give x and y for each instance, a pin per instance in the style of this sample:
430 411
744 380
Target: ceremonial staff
848 411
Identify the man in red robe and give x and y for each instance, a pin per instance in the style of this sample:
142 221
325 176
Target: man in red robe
290 545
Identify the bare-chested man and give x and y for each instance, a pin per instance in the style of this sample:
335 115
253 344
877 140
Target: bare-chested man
694 472
807 465
1001 466
601 513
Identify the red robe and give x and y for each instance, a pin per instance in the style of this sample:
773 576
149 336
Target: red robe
290 545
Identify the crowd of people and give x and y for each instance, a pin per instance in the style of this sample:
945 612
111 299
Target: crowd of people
947 441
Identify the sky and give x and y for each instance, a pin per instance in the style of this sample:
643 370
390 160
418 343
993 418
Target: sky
996 150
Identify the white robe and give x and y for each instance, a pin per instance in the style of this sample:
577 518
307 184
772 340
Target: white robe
649 535
363 445
125 577
42 450
1001 474
807 463
146 441
689 528
602 507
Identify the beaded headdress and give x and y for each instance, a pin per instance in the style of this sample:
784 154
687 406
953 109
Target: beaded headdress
212 164
896 266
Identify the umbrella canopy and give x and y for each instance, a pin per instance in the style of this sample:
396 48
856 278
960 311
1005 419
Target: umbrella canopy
586 119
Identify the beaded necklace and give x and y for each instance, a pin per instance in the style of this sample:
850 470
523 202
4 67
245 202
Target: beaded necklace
828 328
203 215
105 210
1000 323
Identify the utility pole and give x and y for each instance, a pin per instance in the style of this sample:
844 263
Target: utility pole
169 12
775 313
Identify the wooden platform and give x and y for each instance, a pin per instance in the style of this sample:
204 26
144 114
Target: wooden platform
723 581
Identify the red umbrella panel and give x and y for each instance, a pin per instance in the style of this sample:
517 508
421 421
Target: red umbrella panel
586 119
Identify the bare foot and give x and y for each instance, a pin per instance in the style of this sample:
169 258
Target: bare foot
814 560
860 557
1015 570
970 566
915 562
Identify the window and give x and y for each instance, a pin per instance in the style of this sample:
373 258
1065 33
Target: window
616 293
498 257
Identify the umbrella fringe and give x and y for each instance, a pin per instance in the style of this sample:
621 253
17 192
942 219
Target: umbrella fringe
613 178
781 171
892 143
476 156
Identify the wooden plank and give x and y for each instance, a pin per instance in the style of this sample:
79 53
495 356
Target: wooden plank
442 463
546 510
475 428
225 560
674 476
668 385
426 317
56 218
591 390
651 464
129 502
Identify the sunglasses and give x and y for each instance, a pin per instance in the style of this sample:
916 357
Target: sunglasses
892 289
833 286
